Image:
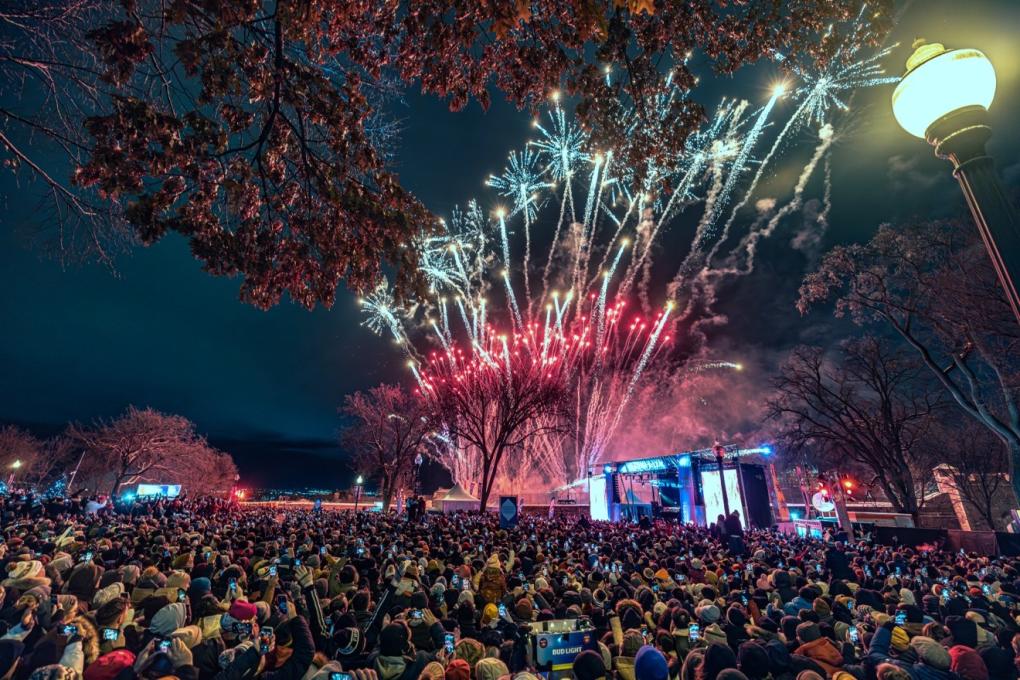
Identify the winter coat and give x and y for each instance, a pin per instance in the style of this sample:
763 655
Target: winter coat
824 652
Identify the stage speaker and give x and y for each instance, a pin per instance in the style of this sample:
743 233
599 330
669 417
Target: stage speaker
756 496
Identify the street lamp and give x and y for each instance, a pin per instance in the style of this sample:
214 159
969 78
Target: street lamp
14 468
357 491
418 460
944 98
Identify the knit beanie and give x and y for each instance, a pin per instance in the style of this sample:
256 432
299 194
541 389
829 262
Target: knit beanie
469 650
650 664
808 632
931 653
753 660
458 669
588 666
967 663
490 669
708 613
632 643
900 640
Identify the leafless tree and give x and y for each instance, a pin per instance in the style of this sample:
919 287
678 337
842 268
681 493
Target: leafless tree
388 433
50 82
492 410
933 285
140 444
205 472
976 466
869 404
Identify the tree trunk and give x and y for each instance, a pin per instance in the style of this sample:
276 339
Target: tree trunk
387 495
989 515
487 480
1013 451
118 480
839 496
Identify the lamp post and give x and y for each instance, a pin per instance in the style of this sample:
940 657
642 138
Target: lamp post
944 98
357 491
418 460
15 466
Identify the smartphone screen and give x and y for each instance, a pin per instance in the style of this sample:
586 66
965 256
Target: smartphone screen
448 643
901 618
854 635
111 634
502 609
272 570
694 631
164 646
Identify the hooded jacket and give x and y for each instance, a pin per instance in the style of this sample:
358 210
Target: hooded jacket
823 652
399 667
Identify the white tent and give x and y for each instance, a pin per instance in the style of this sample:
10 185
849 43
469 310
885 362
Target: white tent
456 499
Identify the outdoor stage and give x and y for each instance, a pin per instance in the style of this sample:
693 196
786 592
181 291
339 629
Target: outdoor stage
686 486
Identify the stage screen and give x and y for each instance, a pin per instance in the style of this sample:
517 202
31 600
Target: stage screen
598 505
712 493
168 490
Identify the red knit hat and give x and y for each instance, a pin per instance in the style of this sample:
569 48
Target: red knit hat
966 663
109 666
458 669
243 611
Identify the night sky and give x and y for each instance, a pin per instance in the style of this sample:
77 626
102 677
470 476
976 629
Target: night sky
81 343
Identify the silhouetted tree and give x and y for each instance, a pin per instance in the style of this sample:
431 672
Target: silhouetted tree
932 284
869 403
388 433
490 411
141 445
978 468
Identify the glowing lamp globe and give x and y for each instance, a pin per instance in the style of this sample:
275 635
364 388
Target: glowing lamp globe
939 82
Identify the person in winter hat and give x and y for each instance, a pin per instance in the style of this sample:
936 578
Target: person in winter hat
821 650
588 665
650 664
491 669
967 663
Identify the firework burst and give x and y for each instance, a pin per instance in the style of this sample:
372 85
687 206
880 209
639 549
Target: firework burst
581 330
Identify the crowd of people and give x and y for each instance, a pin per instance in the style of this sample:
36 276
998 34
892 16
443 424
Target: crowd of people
203 590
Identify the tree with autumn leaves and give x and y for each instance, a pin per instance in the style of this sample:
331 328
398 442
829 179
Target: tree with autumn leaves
252 128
